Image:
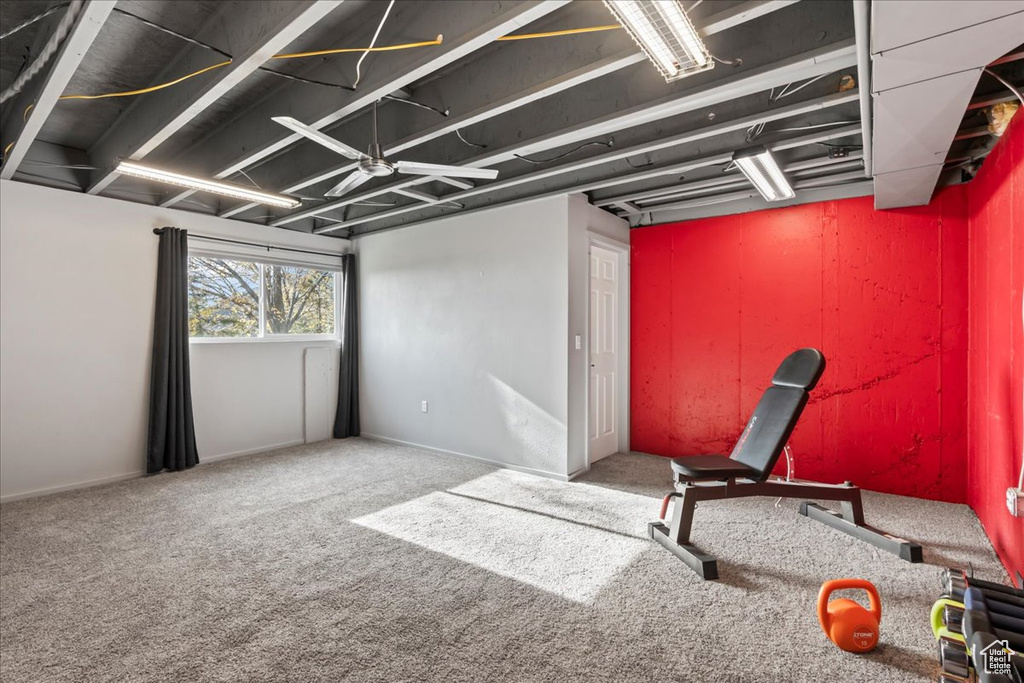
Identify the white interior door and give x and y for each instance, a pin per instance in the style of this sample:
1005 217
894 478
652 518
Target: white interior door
604 352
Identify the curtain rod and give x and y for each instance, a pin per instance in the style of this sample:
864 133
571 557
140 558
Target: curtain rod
160 231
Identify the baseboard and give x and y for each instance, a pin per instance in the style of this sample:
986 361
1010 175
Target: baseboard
251 451
71 487
467 456
581 471
141 473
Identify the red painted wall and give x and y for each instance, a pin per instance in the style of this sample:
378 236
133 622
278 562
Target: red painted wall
996 346
717 303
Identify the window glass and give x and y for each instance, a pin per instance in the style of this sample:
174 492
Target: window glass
230 298
298 300
223 298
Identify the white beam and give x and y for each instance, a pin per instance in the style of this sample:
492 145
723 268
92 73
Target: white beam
19 134
704 133
416 194
792 143
716 23
260 31
504 21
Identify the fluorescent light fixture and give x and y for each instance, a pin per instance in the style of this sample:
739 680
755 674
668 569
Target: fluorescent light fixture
664 32
764 173
241 192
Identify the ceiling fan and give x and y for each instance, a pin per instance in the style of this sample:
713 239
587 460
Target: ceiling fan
373 164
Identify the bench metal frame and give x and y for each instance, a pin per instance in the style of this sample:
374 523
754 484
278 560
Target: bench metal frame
849 519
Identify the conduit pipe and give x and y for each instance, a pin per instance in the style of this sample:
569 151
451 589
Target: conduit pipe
862 34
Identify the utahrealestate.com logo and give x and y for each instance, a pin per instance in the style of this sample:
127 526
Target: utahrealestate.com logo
997 658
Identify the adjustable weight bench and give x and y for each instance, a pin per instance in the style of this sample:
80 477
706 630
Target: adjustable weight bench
747 471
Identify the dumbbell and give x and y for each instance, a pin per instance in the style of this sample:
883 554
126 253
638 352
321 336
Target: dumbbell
1011 602
947 617
952 614
957 662
954 581
959 575
977 620
953 658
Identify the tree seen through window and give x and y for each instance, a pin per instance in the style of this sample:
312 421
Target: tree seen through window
224 298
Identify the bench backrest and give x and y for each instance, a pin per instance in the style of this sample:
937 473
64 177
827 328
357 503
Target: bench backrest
777 412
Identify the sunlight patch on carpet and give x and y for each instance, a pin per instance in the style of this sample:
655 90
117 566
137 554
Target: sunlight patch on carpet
568 559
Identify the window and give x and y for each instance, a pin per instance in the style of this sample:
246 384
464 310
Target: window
244 299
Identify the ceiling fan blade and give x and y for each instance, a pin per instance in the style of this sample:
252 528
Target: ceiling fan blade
416 168
351 182
320 138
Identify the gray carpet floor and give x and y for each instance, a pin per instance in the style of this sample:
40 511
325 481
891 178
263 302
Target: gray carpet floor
361 561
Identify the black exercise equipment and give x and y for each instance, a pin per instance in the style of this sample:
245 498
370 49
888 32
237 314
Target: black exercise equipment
747 470
986 642
956 580
977 618
953 617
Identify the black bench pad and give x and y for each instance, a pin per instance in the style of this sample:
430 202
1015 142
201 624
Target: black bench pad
711 467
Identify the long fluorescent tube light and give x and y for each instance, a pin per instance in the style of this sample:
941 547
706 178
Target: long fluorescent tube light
247 194
764 173
664 32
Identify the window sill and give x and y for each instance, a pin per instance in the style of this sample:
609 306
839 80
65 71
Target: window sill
290 339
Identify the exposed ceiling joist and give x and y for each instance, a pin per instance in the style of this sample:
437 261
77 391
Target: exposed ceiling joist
821 61
823 181
42 93
802 169
473 26
455 182
742 203
579 64
801 141
255 35
312 158
988 100
741 14
622 179
418 195
976 132
685 167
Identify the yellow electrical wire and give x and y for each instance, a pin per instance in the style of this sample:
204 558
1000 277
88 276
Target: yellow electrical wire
566 32
319 53
334 51
343 50
152 88
161 86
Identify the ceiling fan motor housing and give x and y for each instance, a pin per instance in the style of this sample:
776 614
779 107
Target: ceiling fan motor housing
374 163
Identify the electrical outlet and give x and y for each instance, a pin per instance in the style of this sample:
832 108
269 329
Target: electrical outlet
423 407
1015 502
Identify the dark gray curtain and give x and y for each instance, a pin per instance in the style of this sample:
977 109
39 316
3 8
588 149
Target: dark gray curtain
171 443
346 421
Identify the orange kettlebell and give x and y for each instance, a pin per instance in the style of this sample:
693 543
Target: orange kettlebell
847 623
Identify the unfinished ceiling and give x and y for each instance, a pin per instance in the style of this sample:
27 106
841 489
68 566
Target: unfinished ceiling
584 112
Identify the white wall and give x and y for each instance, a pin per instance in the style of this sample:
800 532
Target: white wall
473 314
77 284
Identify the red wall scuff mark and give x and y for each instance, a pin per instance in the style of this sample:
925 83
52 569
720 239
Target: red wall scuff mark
718 303
996 356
